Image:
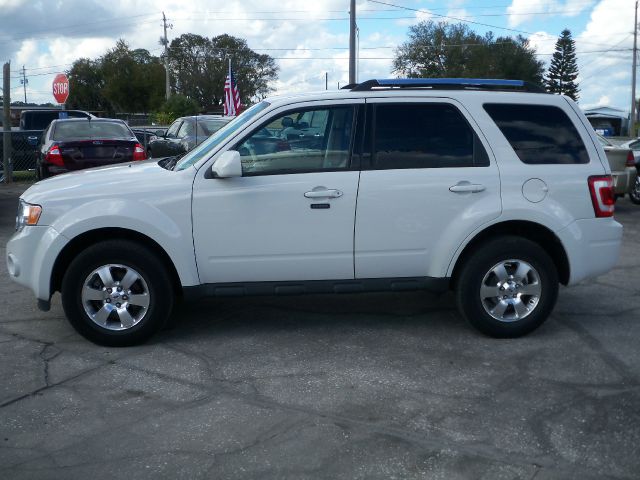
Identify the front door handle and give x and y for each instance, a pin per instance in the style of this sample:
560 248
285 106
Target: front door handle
466 187
323 193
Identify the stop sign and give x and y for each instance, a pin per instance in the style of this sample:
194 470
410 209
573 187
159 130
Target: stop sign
61 88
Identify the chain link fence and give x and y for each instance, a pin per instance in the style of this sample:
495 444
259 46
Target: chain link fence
25 145
23 155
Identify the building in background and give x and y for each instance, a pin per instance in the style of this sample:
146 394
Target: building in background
608 121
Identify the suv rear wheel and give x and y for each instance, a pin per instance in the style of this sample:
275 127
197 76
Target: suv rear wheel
508 287
117 293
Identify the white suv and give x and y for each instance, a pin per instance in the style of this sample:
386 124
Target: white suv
476 185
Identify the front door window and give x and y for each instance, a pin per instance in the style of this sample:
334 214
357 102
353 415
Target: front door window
311 140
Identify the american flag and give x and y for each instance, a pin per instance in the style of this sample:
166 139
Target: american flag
231 95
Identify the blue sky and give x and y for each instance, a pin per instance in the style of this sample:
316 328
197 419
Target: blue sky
311 38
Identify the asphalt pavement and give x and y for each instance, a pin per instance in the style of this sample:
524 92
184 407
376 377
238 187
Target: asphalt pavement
392 385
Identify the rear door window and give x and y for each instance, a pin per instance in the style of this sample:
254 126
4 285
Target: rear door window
424 135
539 134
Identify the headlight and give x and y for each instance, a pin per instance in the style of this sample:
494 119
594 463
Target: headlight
28 214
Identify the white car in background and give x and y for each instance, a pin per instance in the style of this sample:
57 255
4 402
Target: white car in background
623 166
634 146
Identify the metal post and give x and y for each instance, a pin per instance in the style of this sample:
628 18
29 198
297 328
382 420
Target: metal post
6 123
326 80
166 58
24 83
632 120
352 42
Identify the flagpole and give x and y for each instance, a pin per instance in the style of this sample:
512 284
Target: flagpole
230 84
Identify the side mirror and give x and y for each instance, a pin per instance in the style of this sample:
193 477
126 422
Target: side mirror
160 133
227 165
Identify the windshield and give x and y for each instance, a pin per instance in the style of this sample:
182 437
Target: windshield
220 136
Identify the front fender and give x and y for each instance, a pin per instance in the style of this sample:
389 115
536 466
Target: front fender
170 227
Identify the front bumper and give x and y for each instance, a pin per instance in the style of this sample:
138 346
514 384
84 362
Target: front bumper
592 246
30 256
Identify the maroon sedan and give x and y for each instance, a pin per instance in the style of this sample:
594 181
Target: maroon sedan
77 143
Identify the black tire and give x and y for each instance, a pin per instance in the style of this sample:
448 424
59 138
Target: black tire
149 154
121 256
634 193
480 264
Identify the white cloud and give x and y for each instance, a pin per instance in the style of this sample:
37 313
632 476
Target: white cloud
11 4
606 74
521 11
419 16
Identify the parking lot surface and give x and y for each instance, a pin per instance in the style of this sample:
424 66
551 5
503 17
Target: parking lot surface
351 386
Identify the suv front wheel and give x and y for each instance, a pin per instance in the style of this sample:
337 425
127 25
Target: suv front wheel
117 293
507 287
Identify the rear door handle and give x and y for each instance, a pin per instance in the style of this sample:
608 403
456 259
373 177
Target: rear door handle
323 193
466 187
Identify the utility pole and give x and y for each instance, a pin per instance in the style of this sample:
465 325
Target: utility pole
166 57
6 122
632 120
352 42
24 83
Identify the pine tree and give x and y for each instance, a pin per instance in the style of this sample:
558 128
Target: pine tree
563 71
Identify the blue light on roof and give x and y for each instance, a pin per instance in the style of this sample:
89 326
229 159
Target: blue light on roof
407 82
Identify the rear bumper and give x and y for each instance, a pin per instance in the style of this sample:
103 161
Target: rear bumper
623 181
592 246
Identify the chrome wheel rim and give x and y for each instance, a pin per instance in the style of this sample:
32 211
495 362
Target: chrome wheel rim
115 297
635 191
510 290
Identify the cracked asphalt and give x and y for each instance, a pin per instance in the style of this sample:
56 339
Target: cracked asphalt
352 386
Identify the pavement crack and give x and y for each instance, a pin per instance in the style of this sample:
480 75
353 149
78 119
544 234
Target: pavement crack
48 353
596 345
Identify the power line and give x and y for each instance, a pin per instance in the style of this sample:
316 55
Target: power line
459 19
586 52
613 47
65 27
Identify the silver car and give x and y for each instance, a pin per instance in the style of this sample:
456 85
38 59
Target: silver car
623 167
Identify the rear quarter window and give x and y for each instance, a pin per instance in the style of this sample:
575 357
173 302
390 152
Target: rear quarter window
539 134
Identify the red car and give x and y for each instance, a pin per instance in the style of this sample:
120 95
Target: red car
77 143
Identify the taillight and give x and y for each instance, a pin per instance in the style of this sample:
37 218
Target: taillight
139 153
602 196
54 156
631 161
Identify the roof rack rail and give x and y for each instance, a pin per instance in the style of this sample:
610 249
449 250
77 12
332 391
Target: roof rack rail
449 84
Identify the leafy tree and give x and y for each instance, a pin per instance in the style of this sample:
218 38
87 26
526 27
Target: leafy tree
122 80
179 106
86 84
454 50
134 80
199 66
563 71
